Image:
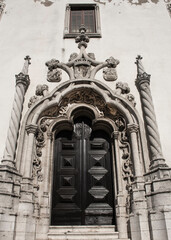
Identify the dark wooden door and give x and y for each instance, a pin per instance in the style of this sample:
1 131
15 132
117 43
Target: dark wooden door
82 186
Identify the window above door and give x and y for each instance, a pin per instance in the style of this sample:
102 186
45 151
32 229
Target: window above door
82 14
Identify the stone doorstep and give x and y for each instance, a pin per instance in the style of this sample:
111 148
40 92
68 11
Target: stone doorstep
83 233
82 229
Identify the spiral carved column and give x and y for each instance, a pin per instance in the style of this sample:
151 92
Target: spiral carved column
152 134
22 83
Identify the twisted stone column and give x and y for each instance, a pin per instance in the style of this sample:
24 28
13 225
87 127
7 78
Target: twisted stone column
152 134
22 83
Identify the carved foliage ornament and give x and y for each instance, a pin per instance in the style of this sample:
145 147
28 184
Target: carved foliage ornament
40 91
124 90
124 145
87 96
40 143
125 149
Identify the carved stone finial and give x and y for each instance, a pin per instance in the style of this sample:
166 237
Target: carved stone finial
112 62
22 77
141 74
26 65
41 89
82 39
140 68
122 88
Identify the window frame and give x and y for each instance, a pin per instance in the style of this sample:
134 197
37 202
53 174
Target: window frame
97 25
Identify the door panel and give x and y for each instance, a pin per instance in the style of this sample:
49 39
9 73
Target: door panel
82 187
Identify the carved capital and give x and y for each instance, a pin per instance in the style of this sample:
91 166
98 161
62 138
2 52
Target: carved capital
50 136
68 8
115 135
143 78
41 89
31 128
23 79
132 128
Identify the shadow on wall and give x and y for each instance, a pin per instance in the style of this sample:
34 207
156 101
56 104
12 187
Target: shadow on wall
46 3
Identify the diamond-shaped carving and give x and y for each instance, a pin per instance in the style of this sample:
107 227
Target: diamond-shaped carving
67 181
98 176
98 192
67 162
97 171
98 158
98 182
97 164
67 194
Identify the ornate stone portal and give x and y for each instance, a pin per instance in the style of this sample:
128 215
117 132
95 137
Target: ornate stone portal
141 194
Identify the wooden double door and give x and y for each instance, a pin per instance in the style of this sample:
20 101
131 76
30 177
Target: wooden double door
82 179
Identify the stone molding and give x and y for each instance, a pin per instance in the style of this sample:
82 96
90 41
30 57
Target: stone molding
132 128
67 33
31 128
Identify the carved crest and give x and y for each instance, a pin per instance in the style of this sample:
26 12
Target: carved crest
82 65
109 74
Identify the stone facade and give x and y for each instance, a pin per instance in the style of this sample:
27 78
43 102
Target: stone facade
141 178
